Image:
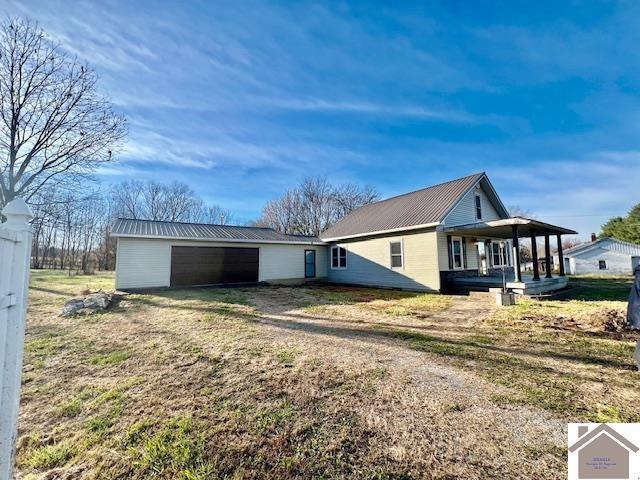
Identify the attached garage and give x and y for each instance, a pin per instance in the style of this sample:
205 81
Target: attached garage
154 254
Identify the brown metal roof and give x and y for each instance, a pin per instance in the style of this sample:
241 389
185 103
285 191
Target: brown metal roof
127 227
422 207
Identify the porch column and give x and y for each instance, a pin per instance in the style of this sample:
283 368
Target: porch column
547 254
560 256
534 254
516 253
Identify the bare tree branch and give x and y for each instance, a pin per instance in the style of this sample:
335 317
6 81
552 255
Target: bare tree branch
53 121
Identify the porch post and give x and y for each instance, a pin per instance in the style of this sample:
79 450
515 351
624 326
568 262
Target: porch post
560 255
516 253
534 254
547 254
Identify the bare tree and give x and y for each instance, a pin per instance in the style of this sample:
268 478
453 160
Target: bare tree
518 211
314 205
54 125
174 202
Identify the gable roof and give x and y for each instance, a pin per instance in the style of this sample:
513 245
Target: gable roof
600 429
135 228
624 247
423 208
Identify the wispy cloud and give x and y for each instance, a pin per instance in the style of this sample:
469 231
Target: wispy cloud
243 99
367 108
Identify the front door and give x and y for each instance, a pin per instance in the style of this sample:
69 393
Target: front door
309 263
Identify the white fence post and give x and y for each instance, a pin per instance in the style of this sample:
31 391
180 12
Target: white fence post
15 258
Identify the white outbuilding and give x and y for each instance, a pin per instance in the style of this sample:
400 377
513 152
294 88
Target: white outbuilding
605 255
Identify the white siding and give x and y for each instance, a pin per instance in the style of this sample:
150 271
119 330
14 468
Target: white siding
146 263
588 261
465 211
369 262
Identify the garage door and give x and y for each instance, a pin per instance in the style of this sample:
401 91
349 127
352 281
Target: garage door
213 265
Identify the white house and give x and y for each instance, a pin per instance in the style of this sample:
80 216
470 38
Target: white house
606 255
425 240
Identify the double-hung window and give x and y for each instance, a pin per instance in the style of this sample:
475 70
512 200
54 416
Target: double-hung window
456 251
602 264
395 249
499 256
478 205
338 258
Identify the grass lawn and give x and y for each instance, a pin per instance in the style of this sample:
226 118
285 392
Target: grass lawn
317 382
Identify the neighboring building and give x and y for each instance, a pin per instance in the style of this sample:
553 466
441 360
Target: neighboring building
424 240
606 255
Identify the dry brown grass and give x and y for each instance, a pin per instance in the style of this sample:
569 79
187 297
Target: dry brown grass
305 383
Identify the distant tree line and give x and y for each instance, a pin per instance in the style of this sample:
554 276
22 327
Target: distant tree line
625 228
71 228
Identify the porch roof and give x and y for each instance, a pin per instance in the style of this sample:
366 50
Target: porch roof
504 228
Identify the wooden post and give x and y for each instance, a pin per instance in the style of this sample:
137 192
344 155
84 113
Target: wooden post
534 254
15 257
516 254
547 254
560 255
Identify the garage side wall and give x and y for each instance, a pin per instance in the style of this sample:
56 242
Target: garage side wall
146 263
369 262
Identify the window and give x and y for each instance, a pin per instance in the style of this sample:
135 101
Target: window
396 254
456 247
478 207
602 264
338 257
498 255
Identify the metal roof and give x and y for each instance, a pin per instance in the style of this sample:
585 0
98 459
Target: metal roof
425 207
607 243
134 228
503 228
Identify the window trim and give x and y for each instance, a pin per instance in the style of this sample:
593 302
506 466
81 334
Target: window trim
505 256
600 262
391 255
346 262
477 200
453 253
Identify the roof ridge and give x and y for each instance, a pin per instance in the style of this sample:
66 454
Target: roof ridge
196 223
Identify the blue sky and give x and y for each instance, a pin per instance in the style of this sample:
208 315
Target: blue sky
243 99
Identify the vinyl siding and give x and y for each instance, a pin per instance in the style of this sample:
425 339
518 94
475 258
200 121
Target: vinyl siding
465 211
587 262
473 258
145 263
369 262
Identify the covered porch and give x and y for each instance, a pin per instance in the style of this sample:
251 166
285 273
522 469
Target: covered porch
507 234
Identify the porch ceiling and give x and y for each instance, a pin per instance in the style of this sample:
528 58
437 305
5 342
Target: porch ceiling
503 228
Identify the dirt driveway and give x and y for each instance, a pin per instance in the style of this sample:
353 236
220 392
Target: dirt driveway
279 382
